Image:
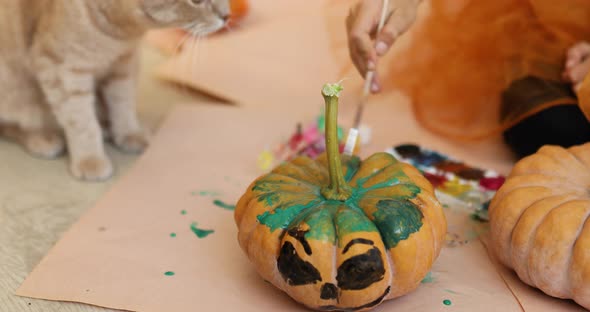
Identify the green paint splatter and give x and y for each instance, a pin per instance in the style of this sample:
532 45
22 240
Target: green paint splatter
200 232
447 302
183 212
172 234
428 278
223 205
169 273
207 193
395 217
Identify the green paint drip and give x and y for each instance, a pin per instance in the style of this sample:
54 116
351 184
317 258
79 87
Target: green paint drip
209 193
223 205
447 302
428 278
200 232
397 220
172 234
183 212
169 273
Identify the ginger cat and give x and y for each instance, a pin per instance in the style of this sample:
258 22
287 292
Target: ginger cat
64 63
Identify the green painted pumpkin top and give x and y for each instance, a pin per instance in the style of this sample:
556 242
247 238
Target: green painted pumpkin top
379 201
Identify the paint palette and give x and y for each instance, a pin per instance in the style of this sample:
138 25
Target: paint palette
456 183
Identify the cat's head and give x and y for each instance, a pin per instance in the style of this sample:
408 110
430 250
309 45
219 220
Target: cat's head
205 16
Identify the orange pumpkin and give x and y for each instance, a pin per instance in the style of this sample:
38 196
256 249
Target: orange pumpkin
238 9
341 239
539 222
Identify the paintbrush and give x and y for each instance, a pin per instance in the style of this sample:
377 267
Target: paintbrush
353 133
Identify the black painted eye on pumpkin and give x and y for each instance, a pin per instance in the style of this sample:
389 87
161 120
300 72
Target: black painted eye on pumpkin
361 271
295 270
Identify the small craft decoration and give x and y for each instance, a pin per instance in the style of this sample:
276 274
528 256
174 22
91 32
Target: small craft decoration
338 233
539 222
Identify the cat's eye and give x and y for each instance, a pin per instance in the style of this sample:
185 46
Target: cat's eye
196 2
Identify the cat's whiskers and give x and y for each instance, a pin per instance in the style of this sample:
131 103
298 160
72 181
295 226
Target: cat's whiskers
195 49
187 42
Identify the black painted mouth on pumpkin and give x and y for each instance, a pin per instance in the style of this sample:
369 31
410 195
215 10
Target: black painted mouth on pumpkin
365 306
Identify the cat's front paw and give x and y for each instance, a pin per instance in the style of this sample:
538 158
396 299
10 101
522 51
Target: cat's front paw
92 168
134 142
44 144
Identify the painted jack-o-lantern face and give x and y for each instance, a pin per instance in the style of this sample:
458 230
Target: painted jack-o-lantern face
341 234
361 267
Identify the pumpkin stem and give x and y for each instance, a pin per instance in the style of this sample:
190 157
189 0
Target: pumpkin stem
338 188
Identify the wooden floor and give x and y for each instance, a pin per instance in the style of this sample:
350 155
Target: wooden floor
39 200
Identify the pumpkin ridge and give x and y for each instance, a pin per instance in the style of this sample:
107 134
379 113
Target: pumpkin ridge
506 197
426 200
580 288
504 230
413 189
361 181
285 215
564 179
571 254
534 236
365 225
421 204
531 237
582 162
300 175
353 164
269 180
552 151
501 196
309 171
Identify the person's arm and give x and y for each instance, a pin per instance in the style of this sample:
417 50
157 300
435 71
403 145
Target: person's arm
364 44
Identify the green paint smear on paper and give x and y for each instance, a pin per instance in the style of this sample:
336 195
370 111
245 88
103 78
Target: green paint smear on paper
223 205
447 302
200 232
169 273
452 292
207 193
183 212
428 278
172 234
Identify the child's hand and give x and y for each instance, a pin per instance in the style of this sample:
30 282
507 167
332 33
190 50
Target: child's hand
577 64
362 25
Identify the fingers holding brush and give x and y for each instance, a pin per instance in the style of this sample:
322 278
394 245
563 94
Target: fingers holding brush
366 41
